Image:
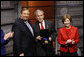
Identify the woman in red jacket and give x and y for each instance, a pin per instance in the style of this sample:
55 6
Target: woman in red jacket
68 37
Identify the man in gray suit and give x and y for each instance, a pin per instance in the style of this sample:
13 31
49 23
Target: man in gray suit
42 50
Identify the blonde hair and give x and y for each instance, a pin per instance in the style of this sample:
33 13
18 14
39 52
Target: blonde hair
65 17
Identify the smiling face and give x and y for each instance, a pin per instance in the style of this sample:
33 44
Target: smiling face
67 22
25 14
39 16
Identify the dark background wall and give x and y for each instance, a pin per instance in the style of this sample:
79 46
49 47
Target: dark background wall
46 6
9 13
54 10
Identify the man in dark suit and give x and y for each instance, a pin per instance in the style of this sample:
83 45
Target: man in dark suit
23 35
44 50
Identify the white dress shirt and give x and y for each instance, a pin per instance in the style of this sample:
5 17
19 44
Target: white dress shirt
43 24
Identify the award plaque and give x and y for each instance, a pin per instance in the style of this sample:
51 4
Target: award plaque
44 33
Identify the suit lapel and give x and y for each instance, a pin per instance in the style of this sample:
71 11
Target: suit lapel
38 27
46 24
26 28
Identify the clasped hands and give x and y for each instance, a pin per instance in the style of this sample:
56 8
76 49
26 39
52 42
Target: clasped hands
70 41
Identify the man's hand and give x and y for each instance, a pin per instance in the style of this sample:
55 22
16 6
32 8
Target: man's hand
8 35
22 54
50 39
38 37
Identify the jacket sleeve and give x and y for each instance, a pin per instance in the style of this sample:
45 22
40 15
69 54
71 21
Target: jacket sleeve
77 37
53 32
3 42
17 38
60 41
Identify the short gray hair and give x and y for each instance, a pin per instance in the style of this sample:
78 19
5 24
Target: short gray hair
38 10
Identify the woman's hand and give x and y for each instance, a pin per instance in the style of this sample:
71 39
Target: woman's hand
8 35
73 42
68 41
